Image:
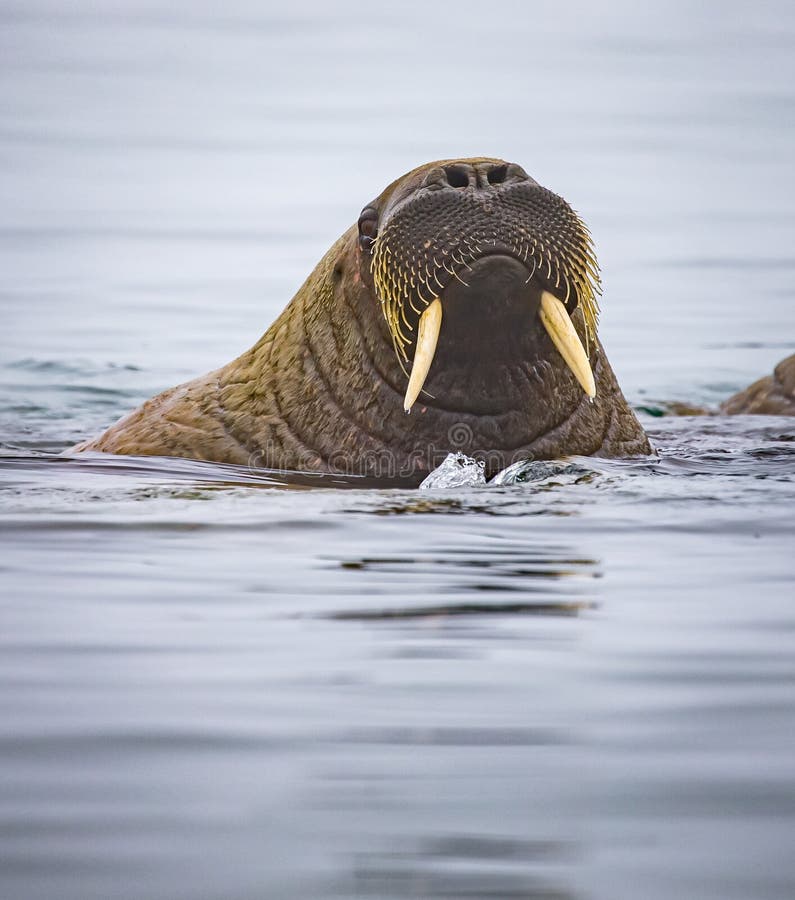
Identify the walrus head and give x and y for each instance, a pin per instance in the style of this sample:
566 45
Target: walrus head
465 294
479 253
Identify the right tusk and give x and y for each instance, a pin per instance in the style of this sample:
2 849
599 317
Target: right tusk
427 336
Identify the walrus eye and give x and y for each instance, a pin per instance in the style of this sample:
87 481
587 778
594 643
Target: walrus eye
368 228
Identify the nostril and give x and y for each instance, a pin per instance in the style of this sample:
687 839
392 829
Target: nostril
457 176
516 173
497 175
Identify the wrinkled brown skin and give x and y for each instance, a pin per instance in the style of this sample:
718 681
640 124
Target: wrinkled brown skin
773 395
323 390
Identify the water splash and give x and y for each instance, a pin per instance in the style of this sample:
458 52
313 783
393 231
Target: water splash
457 470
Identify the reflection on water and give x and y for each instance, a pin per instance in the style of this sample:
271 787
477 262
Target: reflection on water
224 683
502 570
462 609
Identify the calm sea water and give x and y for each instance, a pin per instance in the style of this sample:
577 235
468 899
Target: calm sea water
580 687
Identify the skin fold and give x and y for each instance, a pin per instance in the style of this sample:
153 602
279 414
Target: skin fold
323 389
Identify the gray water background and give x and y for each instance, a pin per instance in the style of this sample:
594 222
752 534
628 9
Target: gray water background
213 687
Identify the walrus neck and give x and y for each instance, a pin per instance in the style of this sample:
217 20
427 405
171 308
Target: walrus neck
329 398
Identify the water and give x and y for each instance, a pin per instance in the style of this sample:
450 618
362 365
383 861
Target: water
217 685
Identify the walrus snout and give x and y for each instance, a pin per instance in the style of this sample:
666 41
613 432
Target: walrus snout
436 234
498 294
494 315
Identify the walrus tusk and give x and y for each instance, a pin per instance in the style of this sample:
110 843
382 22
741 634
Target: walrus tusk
427 336
555 319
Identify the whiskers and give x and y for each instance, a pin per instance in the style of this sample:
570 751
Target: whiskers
421 249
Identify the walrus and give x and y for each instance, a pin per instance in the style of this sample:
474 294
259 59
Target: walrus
773 395
460 313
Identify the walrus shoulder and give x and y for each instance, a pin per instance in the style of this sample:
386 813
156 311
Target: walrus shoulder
181 421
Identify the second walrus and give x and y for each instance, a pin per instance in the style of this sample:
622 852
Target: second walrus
465 295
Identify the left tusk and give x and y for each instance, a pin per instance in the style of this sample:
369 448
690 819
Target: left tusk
560 328
427 336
